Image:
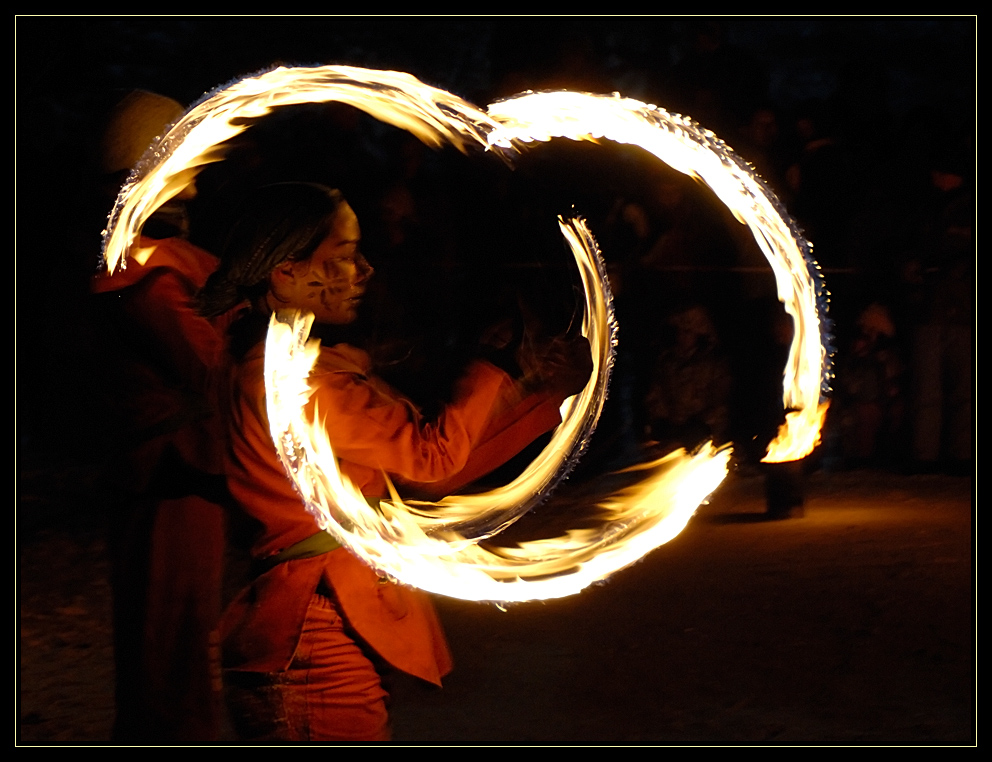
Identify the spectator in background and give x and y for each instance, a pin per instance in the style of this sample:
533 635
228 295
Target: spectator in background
167 535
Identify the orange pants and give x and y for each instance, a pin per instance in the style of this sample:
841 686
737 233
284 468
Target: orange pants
331 691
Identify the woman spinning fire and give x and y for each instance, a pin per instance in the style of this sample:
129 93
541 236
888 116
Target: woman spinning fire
302 642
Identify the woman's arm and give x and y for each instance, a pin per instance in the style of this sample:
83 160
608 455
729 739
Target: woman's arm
372 425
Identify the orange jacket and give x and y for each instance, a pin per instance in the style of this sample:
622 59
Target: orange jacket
373 429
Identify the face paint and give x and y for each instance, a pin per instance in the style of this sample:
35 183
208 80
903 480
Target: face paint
332 282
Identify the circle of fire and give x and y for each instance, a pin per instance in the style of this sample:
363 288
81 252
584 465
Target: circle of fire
435 546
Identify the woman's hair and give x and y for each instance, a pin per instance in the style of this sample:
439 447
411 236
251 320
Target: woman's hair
276 223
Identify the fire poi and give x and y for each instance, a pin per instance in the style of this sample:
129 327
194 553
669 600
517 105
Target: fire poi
435 546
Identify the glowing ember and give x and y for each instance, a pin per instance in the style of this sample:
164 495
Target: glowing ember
435 546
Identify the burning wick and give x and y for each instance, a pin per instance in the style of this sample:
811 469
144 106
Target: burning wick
431 545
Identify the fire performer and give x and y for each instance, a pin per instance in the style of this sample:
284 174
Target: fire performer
302 642
167 538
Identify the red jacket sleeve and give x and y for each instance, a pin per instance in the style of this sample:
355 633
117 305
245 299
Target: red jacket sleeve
191 344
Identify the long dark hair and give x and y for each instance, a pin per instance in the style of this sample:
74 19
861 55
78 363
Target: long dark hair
276 223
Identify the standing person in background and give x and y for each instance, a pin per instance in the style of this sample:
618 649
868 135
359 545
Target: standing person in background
167 536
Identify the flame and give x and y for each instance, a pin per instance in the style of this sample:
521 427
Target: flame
686 147
435 546
426 544
792 441
170 165
418 549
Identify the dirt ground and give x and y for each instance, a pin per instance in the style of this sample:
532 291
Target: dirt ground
852 625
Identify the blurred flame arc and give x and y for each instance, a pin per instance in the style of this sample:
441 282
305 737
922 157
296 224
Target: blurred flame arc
435 546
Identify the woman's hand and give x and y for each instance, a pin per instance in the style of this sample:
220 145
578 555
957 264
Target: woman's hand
559 365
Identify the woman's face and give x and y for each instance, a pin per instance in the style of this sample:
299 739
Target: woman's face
332 282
